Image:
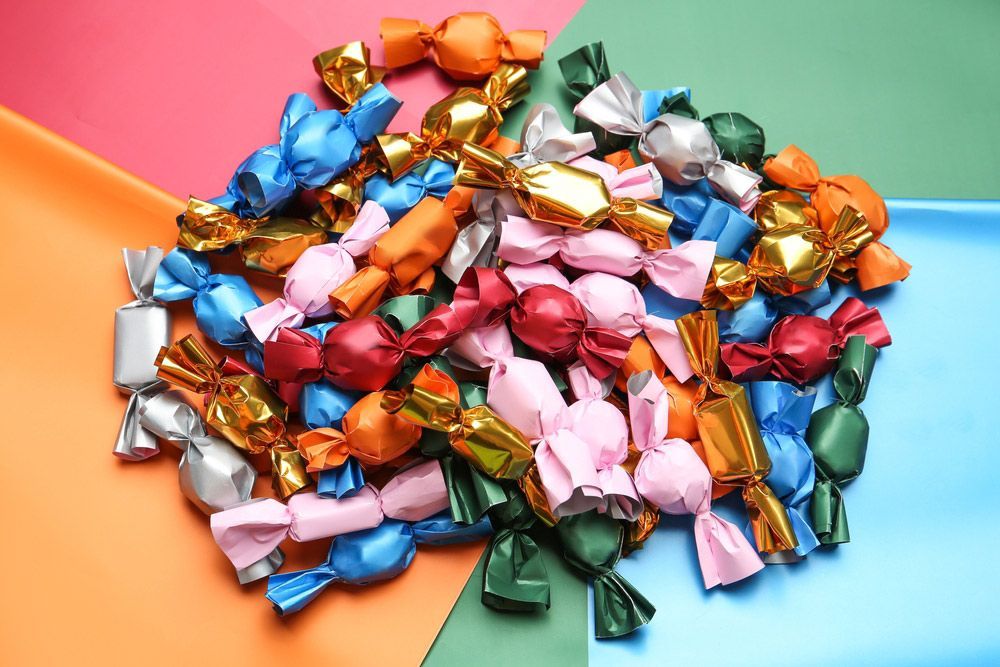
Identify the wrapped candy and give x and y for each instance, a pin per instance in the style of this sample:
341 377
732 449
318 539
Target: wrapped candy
399 259
219 300
478 434
735 453
314 148
602 426
838 438
676 271
803 348
476 243
320 403
544 138
468 46
240 406
583 70
642 357
366 557
247 532
786 260
876 264
471 115
212 473
514 574
398 196
347 71
754 320
553 322
523 394
339 201
564 195
362 354
670 475
316 273
739 139
592 544
782 412
700 216
142 327
681 148
268 245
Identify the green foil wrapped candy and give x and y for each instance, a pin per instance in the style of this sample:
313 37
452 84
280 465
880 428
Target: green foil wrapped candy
592 543
740 139
583 70
514 575
838 438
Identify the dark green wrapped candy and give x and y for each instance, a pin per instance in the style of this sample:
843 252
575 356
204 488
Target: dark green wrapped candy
740 139
679 105
838 438
514 575
592 543
583 70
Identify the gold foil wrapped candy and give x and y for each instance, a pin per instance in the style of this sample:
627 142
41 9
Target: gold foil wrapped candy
478 434
562 195
241 406
466 115
268 245
789 258
734 451
340 199
347 71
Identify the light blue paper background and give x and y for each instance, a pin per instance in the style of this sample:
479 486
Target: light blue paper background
917 585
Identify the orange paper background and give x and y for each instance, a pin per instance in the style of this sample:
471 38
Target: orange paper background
103 559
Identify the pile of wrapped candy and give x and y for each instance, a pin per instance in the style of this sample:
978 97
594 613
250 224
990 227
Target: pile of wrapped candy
486 340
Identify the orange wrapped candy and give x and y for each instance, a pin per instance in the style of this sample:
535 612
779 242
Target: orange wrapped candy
876 264
734 450
642 357
468 46
402 259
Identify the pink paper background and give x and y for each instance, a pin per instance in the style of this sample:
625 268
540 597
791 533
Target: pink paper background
179 92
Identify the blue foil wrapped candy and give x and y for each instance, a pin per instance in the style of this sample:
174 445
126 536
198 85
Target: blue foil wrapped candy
341 482
314 148
782 412
399 196
366 557
699 215
753 321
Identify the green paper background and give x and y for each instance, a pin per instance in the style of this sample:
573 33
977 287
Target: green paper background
904 93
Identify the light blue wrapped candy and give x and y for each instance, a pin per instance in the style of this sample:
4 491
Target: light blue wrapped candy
753 321
699 215
314 148
783 412
219 300
366 557
399 196
341 482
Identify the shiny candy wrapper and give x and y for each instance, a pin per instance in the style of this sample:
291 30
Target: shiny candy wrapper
475 244
544 138
219 300
838 438
269 245
740 140
249 531
677 271
316 273
366 557
681 148
468 46
320 403
401 258
787 260
478 434
754 320
314 148
340 200
564 195
803 348
592 543
514 574
241 406
735 453
670 475
468 114
212 474
783 412
142 327
583 70
347 71
698 214
398 196
876 264
642 357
